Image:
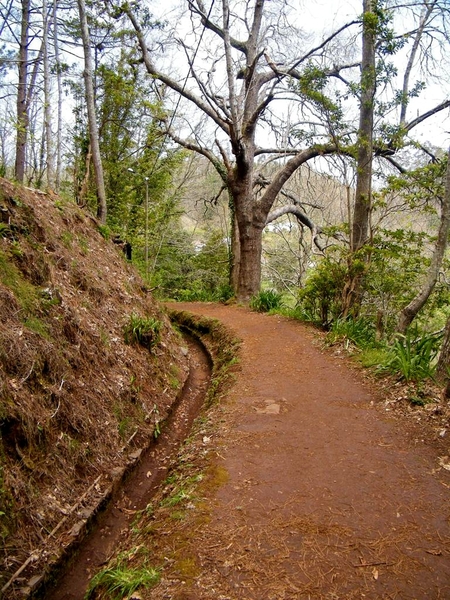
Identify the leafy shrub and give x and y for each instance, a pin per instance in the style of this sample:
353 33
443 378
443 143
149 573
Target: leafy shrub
413 358
199 294
266 301
321 296
142 330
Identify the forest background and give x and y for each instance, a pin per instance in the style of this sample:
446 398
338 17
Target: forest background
289 155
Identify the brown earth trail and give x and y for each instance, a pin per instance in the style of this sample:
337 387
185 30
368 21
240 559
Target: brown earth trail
328 496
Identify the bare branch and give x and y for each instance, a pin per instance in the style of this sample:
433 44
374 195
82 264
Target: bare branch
426 115
174 85
295 210
206 22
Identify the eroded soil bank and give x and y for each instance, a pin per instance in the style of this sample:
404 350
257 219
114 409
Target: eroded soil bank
138 488
329 494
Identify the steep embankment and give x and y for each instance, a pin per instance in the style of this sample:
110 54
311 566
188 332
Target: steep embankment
76 401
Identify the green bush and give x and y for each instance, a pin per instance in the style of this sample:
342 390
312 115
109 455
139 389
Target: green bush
199 294
321 296
266 301
142 330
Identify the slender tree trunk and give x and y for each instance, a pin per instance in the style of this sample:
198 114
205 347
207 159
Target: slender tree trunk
410 311
47 101
60 98
363 194
443 366
22 109
428 9
90 103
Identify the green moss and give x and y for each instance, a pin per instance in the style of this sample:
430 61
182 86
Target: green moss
25 293
38 326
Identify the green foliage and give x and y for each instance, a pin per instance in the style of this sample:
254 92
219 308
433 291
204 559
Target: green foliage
199 294
321 296
266 301
185 273
25 293
120 580
142 330
360 332
413 358
373 357
38 326
397 265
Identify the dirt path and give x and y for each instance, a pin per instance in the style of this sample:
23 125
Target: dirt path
328 496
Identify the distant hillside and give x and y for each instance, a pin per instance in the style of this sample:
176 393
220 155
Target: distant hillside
75 399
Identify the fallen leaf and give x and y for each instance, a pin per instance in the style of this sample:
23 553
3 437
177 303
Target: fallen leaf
375 574
443 462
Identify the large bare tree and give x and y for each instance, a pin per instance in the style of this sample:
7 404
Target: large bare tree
242 65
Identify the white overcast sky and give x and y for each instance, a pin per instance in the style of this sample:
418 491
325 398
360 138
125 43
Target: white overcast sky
321 17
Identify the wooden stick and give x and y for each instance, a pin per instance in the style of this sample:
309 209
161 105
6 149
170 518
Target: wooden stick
37 553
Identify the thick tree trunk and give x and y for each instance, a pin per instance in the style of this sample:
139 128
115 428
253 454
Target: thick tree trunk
235 254
250 238
410 311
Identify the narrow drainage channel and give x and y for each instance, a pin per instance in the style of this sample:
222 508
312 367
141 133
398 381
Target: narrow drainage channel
138 488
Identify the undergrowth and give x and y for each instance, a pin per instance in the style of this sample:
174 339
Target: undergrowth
266 301
410 358
120 579
142 330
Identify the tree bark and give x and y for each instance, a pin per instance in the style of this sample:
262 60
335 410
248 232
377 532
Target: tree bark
47 100
60 97
22 108
363 194
410 311
443 366
92 120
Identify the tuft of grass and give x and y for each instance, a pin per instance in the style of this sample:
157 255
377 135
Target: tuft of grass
266 301
373 357
142 330
67 239
104 231
38 326
360 332
120 580
413 358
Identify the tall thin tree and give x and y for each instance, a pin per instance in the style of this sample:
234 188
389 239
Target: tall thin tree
91 111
